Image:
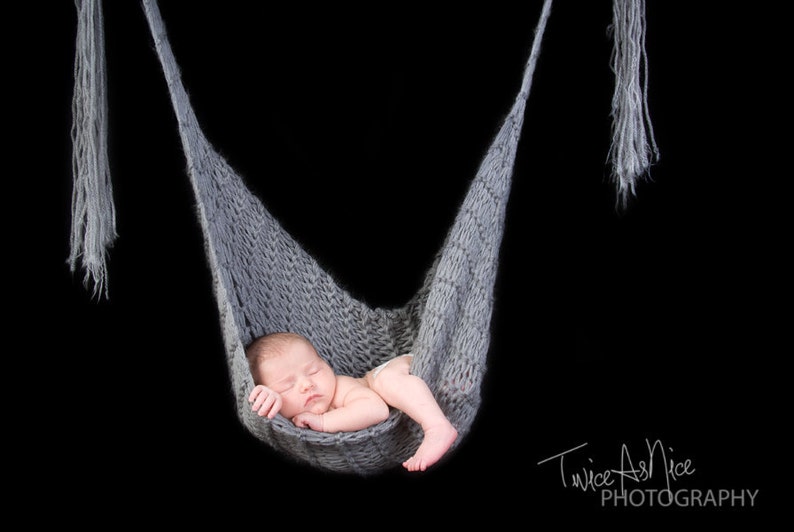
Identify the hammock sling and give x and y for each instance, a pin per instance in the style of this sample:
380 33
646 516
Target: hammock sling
264 281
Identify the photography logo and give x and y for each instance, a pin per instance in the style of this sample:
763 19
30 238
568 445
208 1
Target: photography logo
649 478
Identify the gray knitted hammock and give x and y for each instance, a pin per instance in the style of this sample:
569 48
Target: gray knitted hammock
264 281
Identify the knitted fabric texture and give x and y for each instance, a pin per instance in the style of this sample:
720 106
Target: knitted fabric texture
264 281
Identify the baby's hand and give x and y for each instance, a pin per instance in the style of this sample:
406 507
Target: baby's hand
309 420
265 401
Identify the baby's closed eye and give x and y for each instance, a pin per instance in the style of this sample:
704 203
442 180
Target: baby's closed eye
283 386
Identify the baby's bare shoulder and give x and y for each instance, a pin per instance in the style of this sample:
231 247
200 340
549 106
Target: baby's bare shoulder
350 383
348 388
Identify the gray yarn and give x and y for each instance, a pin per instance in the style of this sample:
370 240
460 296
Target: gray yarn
264 281
93 228
633 147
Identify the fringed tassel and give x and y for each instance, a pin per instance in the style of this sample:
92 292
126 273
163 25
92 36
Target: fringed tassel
633 149
93 213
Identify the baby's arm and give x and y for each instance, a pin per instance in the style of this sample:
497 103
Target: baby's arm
359 407
265 401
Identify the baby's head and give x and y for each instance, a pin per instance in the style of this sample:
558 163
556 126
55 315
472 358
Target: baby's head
289 364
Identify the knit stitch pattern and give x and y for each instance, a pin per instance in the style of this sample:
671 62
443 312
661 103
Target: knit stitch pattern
264 281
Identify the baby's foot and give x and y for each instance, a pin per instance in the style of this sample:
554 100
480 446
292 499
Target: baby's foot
437 441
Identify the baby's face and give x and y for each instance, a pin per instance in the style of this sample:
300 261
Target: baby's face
305 381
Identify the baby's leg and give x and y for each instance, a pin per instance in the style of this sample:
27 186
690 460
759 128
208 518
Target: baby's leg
410 394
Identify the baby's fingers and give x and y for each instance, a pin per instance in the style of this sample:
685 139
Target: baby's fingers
255 393
267 405
265 401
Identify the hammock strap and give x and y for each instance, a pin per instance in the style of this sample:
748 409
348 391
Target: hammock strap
465 272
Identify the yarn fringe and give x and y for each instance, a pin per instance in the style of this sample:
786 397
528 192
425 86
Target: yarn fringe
93 228
633 148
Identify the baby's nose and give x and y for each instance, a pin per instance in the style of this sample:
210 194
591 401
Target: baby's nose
306 385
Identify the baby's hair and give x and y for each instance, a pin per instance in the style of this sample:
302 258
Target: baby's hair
272 344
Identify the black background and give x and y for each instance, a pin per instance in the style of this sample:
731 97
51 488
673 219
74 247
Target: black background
360 129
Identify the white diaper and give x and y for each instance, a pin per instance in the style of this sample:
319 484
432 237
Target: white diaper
379 368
